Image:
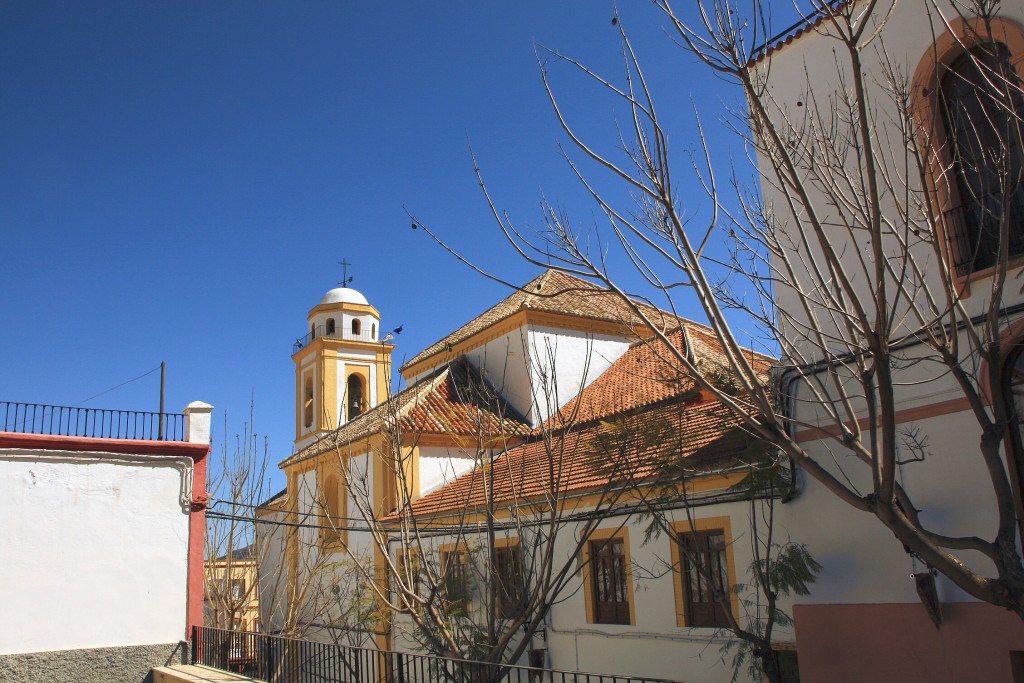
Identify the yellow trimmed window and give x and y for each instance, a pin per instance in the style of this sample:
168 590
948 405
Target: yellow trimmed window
704 573
608 578
508 577
455 577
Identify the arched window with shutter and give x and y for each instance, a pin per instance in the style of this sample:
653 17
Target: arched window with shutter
968 108
979 97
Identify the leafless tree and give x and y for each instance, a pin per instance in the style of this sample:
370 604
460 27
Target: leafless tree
304 590
685 442
847 263
474 577
246 560
232 552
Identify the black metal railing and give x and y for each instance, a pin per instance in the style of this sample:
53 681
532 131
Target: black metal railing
37 418
287 660
365 335
973 229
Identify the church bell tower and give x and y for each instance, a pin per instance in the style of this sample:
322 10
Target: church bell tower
342 367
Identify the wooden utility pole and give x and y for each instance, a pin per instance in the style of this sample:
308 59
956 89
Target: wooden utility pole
163 386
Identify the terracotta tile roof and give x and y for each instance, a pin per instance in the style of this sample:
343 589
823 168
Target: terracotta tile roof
550 292
464 404
644 376
803 26
641 377
454 400
618 450
638 408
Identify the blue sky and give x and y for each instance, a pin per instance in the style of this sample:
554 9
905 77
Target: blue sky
179 179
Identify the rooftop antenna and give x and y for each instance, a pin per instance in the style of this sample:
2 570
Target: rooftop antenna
345 279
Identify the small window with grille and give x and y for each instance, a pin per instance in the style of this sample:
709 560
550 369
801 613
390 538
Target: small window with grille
984 146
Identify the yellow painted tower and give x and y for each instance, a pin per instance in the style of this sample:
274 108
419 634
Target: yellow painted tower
342 366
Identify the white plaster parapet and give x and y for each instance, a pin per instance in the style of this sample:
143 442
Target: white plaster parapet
198 422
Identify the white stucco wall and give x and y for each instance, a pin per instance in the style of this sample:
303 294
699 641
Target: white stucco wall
539 369
502 362
808 63
272 540
439 466
564 362
94 552
307 503
863 561
654 645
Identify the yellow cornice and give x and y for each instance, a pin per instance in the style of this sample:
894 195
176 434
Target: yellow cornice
370 443
324 344
333 344
344 308
521 318
272 508
304 351
240 564
302 466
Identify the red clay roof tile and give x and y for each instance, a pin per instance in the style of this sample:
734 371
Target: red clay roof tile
604 453
549 292
801 27
452 401
625 423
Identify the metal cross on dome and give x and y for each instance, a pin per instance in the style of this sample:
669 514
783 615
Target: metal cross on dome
345 279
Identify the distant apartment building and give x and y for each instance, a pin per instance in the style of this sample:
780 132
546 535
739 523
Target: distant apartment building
232 599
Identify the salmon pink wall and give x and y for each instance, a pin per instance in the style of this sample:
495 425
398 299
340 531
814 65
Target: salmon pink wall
898 642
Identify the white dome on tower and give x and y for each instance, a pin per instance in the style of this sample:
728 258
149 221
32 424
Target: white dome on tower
344 295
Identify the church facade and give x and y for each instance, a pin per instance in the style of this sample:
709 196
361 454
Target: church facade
509 485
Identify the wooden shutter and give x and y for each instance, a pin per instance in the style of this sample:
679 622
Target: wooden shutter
610 585
704 577
975 127
456 581
508 573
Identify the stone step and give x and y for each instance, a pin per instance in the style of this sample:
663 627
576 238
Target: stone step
194 673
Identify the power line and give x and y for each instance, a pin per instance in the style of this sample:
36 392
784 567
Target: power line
427 528
107 391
